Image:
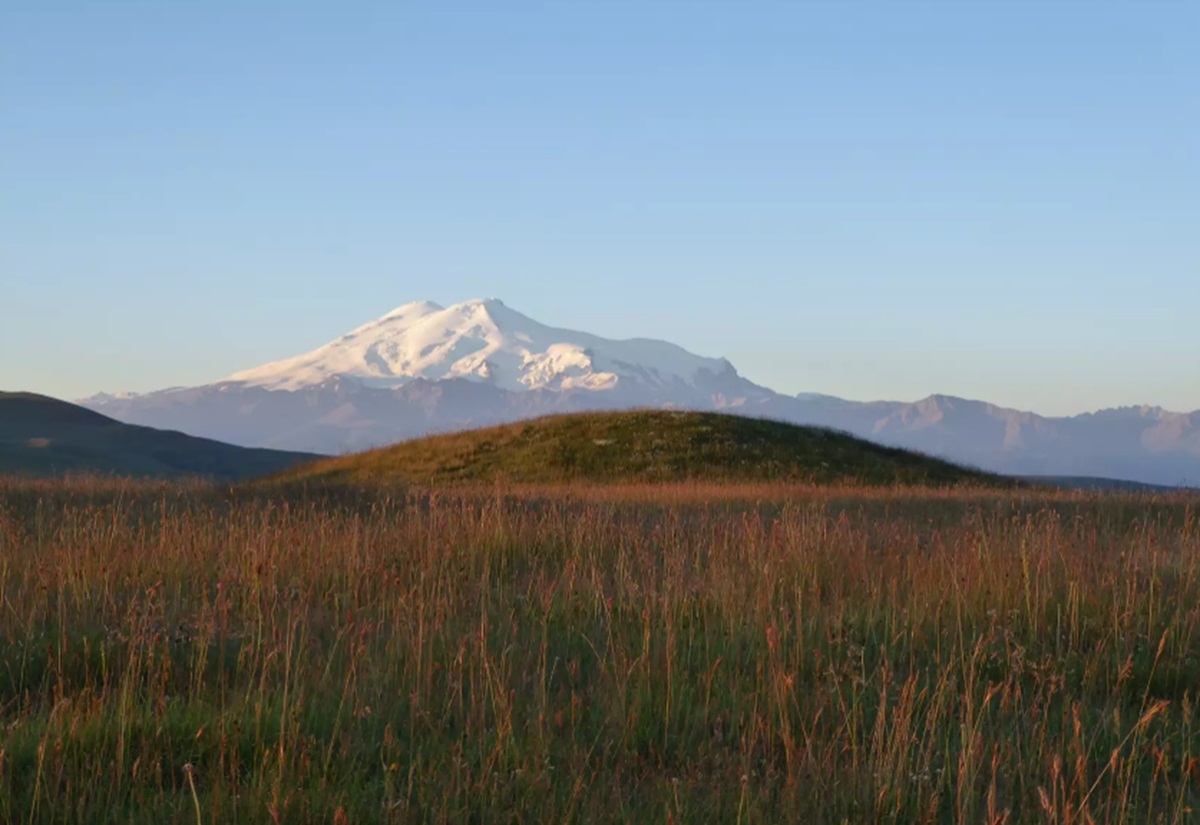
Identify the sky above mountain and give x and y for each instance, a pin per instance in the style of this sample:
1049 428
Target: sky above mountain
872 199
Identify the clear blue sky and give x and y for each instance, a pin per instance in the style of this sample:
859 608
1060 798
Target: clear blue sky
873 199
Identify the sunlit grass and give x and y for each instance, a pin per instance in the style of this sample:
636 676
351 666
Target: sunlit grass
694 653
638 446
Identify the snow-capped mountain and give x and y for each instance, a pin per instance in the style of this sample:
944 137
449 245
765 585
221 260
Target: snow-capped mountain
423 368
486 342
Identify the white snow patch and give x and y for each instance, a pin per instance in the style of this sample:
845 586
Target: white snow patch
484 340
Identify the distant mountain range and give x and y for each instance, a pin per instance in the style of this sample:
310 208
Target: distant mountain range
423 368
43 436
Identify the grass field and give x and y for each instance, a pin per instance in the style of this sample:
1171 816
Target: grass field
688 653
658 446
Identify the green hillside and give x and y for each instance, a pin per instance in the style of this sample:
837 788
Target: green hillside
43 436
643 446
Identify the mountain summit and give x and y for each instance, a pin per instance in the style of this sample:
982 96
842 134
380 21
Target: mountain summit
485 341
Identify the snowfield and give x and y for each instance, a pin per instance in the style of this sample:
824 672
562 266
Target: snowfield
485 341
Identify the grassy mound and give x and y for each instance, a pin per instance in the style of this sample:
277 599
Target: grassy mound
43 436
642 446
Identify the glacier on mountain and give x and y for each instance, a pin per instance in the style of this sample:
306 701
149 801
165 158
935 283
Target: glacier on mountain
485 341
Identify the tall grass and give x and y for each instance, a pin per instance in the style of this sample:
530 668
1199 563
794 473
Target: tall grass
184 654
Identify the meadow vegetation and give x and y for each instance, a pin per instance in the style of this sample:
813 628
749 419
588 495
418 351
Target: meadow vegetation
683 653
645 446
